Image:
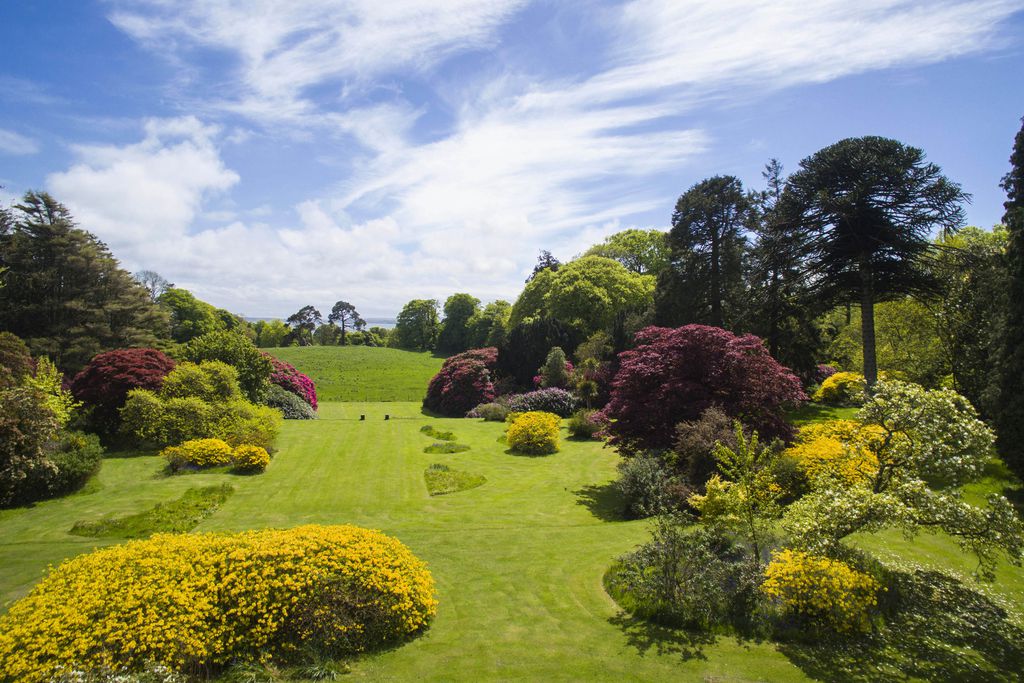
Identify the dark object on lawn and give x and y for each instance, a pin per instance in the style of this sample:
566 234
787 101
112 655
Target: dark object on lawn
362 417
387 417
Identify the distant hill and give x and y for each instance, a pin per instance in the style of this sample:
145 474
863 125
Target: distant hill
362 373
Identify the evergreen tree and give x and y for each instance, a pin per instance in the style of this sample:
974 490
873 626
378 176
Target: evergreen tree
64 293
1011 412
345 316
704 281
303 322
866 208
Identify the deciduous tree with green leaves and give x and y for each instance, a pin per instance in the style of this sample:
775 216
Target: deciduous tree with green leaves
417 326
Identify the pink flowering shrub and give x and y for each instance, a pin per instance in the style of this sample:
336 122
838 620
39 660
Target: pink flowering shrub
823 372
463 383
674 375
288 378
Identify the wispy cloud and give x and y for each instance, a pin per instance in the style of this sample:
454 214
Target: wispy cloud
16 144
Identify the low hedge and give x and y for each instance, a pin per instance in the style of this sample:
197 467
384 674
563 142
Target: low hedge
199 602
203 453
553 400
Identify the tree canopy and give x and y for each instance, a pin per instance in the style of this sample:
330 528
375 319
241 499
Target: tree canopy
1011 414
866 209
455 331
63 292
417 326
645 252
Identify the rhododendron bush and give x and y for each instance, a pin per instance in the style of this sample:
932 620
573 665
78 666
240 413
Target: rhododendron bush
674 375
462 383
291 380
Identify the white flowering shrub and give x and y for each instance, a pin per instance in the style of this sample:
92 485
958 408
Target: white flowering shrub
929 444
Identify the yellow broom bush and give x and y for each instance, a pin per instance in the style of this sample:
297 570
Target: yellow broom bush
827 592
250 458
198 453
841 389
534 432
201 601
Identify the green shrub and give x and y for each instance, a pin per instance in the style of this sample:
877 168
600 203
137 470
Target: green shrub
692 453
644 484
290 405
211 381
27 427
490 412
533 433
695 578
77 456
229 347
198 454
586 423
179 515
841 389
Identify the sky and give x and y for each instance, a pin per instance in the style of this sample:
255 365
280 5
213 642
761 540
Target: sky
271 154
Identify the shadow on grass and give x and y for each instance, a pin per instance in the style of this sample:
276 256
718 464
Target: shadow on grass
520 454
941 630
648 637
603 500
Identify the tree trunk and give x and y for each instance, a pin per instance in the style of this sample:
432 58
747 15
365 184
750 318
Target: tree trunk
867 320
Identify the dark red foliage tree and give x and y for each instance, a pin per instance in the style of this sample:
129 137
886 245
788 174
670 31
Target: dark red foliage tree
463 383
676 374
288 378
104 383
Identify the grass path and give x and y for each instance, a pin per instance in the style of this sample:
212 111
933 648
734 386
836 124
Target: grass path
363 373
518 561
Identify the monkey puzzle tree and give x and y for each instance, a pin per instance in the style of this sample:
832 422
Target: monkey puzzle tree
866 209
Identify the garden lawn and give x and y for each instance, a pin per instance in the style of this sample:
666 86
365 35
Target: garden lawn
363 373
518 561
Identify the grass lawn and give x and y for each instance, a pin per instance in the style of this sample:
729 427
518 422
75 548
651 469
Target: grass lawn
363 373
518 560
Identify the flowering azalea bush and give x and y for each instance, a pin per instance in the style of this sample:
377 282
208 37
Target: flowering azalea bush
823 371
823 591
841 389
463 382
104 383
535 432
291 380
587 424
674 375
553 400
203 601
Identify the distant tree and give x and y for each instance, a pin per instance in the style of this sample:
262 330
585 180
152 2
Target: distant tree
155 283
417 326
488 327
1010 422
64 293
303 322
641 251
704 281
588 293
455 332
866 208
190 316
270 333
544 262
346 317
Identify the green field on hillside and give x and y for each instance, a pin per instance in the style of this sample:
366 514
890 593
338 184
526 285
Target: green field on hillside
363 373
518 561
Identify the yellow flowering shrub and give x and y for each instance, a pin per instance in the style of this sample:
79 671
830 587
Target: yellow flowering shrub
841 389
198 453
250 458
193 601
827 592
534 432
839 448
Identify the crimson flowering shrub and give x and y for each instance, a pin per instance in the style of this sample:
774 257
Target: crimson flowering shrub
104 383
552 400
463 383
674 375
291 380
823 372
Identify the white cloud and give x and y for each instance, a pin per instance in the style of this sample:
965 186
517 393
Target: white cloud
518 164
16 144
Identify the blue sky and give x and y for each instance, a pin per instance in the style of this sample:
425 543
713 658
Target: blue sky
267 155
